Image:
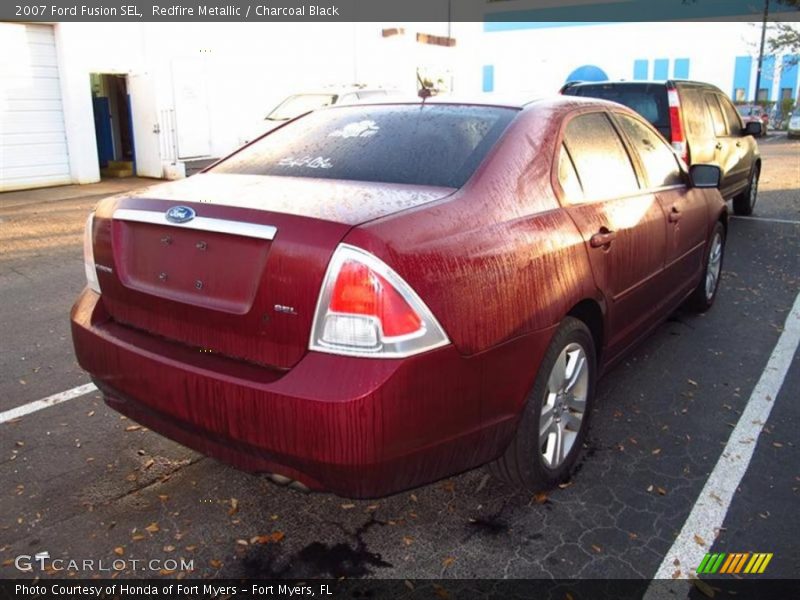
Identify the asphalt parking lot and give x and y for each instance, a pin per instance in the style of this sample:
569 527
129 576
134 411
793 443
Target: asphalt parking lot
79 481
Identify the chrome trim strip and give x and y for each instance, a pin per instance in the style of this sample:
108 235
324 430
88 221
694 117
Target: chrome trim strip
253 230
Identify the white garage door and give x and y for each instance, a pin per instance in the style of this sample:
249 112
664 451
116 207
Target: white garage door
33 144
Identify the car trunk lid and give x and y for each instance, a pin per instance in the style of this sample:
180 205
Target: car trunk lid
236 266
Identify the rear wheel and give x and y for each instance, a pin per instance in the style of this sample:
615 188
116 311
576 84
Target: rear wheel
744 203
555 420
706 291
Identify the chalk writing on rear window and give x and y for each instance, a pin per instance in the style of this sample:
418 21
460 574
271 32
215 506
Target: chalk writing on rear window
311 162
366 128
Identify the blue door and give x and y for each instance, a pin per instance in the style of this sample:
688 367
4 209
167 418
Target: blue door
102 130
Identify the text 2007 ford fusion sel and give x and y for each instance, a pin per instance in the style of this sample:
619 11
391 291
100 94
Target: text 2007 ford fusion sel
370 298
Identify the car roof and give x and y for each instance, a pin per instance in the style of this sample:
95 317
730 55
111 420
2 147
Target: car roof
665 82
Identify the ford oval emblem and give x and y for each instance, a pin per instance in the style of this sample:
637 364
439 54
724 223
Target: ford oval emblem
180 214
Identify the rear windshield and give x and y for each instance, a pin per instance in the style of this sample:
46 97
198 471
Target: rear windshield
437 145
649 100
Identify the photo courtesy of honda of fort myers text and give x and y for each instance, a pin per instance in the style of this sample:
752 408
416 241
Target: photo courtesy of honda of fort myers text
445 299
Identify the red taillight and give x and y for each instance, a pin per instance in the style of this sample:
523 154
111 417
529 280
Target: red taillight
361 291
366 309
676 125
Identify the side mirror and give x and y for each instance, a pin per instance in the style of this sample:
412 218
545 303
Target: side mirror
753 128
705 176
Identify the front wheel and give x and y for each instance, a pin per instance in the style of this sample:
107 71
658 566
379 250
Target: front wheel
555 420
744 203
706 291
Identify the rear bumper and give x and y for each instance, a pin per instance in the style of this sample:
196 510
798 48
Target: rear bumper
357 427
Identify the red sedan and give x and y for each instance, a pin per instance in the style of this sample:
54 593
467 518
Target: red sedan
370 298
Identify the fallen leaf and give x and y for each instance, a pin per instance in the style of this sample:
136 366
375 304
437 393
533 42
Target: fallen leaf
348 506
277 536
243 542
448 561
540 498
215 563
409 585
676 574
596 548
234 507
148 464
700 541
408 540
703 587
152 528
137 537
441 592
564 485
169 548
661 491
650 488
777 444
119 551
413 497
133 428
90 413
163 497
692 382
656 451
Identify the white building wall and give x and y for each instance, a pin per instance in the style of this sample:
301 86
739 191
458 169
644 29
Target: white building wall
539 60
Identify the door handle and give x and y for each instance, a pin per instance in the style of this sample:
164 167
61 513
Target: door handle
603 238
674 215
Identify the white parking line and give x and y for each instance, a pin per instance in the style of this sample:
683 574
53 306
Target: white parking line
708 513
765 219
32 407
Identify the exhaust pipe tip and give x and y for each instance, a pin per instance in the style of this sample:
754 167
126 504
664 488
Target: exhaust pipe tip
280 479
284 481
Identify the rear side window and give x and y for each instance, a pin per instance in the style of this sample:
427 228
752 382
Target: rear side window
433 144
731 116
600 159
568 177
649 100
659 162
715 111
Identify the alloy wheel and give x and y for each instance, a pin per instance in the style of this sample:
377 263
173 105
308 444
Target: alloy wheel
714 266
564 405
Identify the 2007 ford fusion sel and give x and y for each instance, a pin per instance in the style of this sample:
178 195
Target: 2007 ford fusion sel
373 297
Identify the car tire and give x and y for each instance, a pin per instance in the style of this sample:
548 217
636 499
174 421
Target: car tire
744 203
532 460
706 291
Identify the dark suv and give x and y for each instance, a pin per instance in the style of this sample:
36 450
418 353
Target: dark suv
701 123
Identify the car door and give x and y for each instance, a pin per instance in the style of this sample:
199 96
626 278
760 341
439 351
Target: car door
623 226
739 144
685 207
725 154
